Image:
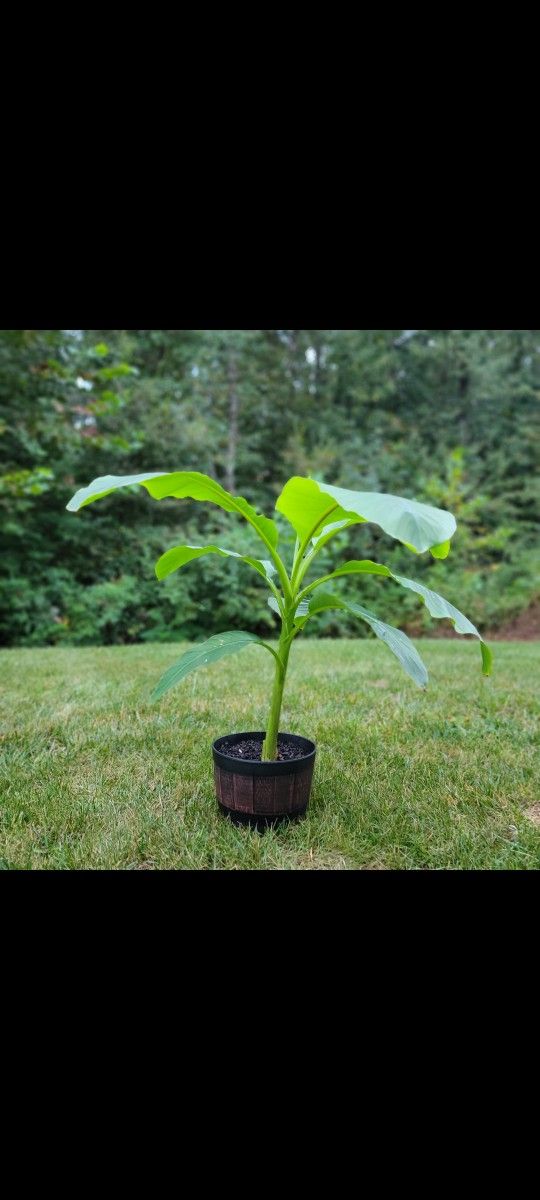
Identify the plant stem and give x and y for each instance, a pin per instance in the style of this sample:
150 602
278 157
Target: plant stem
301 550
269 750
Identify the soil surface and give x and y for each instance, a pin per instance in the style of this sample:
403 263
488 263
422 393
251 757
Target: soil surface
250 749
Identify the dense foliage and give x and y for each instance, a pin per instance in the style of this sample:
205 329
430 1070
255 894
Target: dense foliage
450 417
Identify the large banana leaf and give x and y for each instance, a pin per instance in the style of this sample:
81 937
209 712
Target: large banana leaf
436 605
309 504
173 559
180 485
202 655
397 642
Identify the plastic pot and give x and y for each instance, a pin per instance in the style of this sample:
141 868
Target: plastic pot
257 793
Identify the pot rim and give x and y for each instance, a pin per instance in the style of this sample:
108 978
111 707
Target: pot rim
254 766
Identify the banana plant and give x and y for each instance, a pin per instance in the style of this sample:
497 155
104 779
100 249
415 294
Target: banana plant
317 512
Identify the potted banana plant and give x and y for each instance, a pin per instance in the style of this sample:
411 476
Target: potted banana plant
265 776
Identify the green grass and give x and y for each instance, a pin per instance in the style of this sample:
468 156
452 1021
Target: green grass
94 776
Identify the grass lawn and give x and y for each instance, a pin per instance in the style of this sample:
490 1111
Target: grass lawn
94 776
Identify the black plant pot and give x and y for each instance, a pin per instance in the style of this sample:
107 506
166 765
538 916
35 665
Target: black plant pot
257 793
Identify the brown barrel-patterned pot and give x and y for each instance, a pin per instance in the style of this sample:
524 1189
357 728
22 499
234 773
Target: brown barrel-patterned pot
262 793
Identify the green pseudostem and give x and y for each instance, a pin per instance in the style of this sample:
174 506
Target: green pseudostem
288 632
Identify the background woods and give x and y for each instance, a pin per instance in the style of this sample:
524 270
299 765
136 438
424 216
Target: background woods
448 416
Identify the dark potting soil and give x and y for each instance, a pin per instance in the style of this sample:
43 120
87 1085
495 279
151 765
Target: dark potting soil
250 748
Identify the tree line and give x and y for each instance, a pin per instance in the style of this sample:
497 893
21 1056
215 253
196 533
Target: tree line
448 416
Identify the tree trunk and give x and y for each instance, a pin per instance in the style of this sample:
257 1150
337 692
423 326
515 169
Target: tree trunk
234 411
